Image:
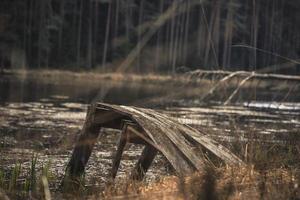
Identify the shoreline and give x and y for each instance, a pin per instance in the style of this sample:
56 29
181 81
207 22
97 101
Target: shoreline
65 75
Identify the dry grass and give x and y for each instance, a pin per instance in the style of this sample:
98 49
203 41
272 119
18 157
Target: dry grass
226 182
222 183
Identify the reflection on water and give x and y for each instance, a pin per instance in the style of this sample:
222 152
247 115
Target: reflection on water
46 118
284 106
14 89
244 123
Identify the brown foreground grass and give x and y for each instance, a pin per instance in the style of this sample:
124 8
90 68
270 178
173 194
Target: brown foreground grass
227 182
221 183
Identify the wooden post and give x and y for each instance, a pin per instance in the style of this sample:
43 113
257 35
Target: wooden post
84 145
120 149
144 163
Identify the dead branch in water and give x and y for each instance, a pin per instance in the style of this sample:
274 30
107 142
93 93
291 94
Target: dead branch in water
223 80
201 73
228 75
237 89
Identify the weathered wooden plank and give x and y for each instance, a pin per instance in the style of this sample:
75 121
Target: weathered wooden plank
109 119
214 147
170 129
144 163
84 146
177 159
120 148
173 154
137 136
200 138
157 131
204 141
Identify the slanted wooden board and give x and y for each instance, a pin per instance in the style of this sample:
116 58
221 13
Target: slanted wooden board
179 143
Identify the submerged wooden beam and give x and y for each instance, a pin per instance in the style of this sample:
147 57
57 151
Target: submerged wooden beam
181 144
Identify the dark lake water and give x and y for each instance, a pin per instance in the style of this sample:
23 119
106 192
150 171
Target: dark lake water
45 117
31 90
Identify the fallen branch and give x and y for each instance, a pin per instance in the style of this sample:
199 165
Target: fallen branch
228 75
223 80
237 89
199 73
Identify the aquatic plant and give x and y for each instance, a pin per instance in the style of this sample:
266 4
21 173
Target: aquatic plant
2 179
14 177
33 178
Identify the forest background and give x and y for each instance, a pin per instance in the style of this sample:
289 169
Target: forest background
162 35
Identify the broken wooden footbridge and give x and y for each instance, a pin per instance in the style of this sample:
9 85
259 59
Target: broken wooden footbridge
182 145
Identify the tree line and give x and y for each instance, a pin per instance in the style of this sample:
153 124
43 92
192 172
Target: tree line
100 34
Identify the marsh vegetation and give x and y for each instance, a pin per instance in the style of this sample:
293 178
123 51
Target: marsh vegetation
46 123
